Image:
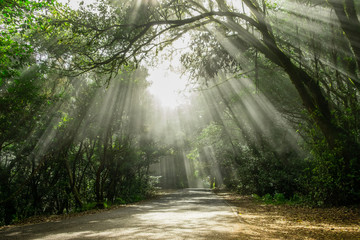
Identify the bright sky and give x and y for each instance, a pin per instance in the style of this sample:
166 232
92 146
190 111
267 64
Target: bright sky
166 85
75 3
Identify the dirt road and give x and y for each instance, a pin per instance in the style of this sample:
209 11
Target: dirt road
184 214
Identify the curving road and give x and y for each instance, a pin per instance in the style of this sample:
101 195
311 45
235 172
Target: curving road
184 214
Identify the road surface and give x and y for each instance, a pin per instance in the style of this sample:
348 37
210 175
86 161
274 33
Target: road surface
184 214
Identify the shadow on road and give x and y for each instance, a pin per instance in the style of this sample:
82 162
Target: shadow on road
184 214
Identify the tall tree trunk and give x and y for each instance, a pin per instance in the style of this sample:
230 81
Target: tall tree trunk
72 183
98 189
73 187
98 181
309 90
312 97
346 13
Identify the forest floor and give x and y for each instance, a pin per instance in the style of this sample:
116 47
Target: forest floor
269 221
194 214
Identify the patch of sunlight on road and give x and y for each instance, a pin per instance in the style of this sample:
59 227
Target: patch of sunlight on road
64 235
184 214
14 234
171 217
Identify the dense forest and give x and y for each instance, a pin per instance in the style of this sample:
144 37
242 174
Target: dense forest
273 106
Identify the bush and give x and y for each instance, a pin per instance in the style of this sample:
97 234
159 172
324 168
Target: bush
88 206
279 198
119 200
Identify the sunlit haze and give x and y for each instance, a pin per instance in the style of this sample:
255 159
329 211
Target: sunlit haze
166 86
110 102
168 83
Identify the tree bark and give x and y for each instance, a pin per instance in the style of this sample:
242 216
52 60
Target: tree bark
346 13
73 187
72 184
309 90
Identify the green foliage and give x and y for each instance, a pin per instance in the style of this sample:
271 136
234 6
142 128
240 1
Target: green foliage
267 198
89 206
268 175
119 200
67 144
20 19
330 180
134 198
279 198
48 169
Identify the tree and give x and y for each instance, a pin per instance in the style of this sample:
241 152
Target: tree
349 21
56 134
242 56
124 40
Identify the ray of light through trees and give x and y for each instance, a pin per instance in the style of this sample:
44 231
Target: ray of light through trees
88 114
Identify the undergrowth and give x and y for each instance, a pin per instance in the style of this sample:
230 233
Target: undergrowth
279 198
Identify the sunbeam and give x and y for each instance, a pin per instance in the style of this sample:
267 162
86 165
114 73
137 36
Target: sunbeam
108 102
167 86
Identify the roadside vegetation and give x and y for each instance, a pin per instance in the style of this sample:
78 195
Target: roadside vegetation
273 105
